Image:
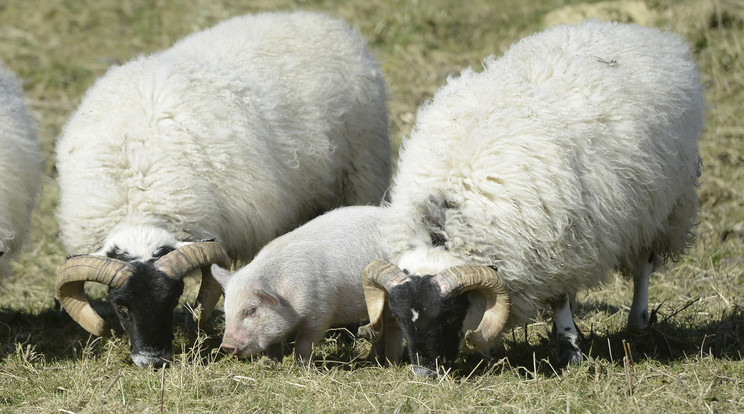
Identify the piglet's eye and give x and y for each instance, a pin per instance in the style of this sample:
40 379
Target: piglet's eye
249 311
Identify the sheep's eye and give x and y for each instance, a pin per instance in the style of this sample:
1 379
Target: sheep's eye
162 251
123 311
450 320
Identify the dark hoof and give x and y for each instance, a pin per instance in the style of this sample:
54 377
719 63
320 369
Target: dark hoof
569 357
639 322
568 348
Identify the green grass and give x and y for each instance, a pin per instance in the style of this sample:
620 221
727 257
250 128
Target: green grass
689 361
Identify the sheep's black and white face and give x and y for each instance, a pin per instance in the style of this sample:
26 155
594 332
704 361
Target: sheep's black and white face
432 325
144 305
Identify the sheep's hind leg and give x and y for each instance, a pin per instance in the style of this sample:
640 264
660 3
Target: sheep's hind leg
638 319
565 333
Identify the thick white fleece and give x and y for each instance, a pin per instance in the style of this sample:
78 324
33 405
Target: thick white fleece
570 155
239 132
20 168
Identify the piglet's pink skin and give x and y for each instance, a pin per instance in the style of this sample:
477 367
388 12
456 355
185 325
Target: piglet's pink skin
301 284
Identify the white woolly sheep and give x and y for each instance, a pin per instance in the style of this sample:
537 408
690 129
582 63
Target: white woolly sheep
238 133
20 169
573 154
301 284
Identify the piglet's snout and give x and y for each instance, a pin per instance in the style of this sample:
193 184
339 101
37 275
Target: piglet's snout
230 349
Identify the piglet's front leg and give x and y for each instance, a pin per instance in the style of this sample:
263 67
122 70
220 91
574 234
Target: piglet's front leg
304 341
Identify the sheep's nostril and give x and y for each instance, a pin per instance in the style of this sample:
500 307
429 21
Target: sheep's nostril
149 359
424 372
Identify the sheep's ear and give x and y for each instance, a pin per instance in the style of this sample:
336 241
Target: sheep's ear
222 276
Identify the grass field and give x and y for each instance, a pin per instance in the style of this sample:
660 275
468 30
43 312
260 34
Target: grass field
689 361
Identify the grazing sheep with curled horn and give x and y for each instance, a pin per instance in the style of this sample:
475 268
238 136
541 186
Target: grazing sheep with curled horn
234 135
20 169
573 154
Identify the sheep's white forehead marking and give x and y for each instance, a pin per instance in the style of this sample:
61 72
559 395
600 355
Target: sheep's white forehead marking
139 242
415 315
427 261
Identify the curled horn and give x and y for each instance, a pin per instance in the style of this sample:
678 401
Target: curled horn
189 257
70 287
460 279
377 279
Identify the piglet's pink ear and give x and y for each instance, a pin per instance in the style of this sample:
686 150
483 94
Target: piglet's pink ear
222 276
266 297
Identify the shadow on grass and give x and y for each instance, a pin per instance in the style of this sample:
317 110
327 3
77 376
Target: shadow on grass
53 334
50 332
668 340
673 337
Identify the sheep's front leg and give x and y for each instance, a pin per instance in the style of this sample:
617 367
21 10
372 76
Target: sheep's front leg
565 333
638 318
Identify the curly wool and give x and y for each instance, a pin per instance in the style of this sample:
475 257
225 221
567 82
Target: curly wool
20 169
570 155
239 132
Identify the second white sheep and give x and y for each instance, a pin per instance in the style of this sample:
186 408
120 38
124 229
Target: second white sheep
573 154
